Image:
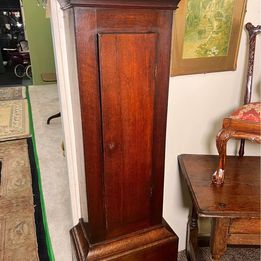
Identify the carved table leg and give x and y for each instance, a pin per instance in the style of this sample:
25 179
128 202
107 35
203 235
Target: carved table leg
192 237
221 141
219 234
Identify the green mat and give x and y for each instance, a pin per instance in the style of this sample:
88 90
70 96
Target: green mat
48 240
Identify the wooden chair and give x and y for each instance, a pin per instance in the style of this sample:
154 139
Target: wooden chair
243 123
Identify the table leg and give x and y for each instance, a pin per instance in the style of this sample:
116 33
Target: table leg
219 234
192 237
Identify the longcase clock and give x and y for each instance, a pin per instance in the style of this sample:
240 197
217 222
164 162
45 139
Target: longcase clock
123 57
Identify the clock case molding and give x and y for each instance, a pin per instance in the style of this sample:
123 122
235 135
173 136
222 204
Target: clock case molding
123 56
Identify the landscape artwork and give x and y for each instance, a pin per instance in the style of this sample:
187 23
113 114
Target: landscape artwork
207 28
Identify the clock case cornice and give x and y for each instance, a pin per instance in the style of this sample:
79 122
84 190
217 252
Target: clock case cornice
133 4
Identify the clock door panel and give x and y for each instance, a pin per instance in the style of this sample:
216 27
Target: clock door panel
127 63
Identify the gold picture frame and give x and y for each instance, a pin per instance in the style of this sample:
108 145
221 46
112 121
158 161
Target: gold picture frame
206 36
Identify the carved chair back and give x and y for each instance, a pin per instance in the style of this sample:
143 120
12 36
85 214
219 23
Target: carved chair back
243 123
253 31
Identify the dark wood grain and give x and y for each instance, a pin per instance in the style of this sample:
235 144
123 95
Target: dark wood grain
123 63
151 4
89 89
192 235
155 243
244 239
237 129
253 31
123 56
219 233
232 199
234 207
245 226
127 93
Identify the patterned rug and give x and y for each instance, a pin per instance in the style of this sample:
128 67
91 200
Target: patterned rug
18 239
14 121
12 93
232 254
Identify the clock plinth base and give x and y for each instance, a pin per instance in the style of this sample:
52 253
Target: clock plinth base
154 243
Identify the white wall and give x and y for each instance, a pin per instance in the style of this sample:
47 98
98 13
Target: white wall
197 105
66 67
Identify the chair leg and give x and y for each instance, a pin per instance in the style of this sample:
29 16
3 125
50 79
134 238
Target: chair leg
242 147
221 141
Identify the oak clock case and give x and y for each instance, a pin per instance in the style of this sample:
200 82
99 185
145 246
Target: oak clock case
123 56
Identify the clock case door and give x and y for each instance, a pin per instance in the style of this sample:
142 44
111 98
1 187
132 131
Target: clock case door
123 66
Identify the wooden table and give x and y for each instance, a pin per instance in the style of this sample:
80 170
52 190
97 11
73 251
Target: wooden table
234 207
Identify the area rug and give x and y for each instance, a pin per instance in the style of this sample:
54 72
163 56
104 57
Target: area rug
14 121
232 254
19 220
17 227
12 93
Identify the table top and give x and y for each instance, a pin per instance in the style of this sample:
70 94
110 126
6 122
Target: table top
239 196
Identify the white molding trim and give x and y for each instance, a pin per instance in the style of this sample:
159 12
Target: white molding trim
67 81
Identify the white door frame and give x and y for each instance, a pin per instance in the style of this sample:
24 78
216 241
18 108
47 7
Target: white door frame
66 69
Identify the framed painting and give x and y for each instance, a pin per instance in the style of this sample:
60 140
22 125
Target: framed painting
206 36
